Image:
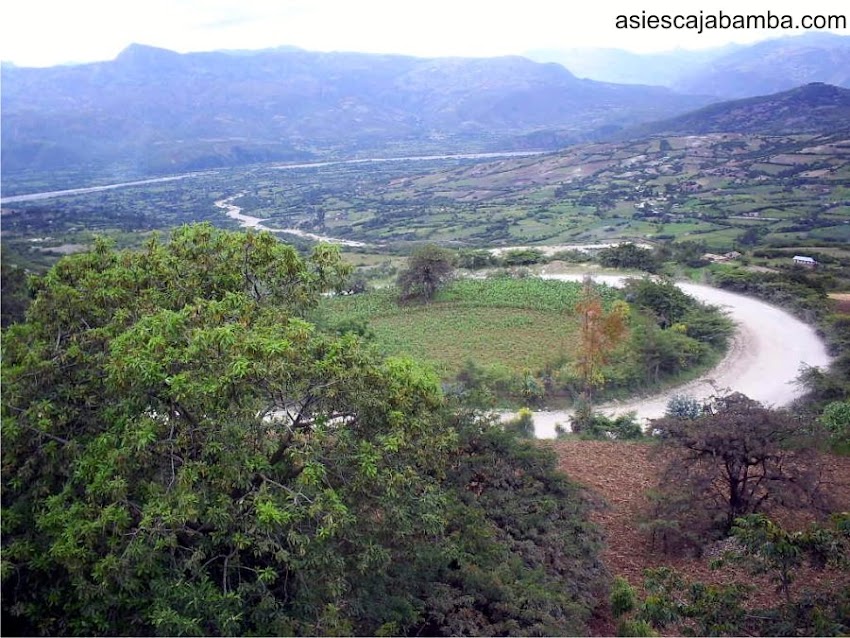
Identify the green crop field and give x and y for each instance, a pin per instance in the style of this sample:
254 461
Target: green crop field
516 338
520 324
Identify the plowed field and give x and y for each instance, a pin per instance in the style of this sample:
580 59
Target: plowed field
619 474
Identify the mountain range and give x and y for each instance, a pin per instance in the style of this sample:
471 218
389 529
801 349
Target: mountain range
732 71
153 110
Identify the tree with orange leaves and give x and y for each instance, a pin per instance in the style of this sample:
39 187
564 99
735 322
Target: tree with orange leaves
600 333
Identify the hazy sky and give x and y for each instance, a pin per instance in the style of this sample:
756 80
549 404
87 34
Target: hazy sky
46 32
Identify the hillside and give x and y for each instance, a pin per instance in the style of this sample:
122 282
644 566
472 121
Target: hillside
813 108
723 189
626 488
152 110
732 71
772 66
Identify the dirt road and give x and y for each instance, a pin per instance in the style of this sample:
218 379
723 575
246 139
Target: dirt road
767 353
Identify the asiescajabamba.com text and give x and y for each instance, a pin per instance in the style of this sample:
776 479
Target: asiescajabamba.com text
708 21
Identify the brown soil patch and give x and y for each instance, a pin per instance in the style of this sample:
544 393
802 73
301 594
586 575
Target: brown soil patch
842 301
619 476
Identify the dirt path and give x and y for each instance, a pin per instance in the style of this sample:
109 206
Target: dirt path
764 359
769 349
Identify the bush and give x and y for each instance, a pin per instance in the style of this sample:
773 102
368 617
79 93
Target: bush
476 259
522 425
598 426
622 598
836 420
523 257
683 406
630 256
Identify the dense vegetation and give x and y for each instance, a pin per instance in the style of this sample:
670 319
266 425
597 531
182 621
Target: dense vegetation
184 453
518 339
197 440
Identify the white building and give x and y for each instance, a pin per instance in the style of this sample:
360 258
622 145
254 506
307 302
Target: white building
808 262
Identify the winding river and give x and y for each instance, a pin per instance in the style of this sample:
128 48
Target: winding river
247 221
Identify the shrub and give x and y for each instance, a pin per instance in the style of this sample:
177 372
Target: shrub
683 406
522 425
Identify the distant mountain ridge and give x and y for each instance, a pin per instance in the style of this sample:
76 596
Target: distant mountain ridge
625 67
814 108
153 110
774 65
732 71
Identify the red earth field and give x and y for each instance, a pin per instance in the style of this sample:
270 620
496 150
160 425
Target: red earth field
618 476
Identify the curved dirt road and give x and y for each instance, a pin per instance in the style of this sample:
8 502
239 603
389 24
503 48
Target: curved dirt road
765 356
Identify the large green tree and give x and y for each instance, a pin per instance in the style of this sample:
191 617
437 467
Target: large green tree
184 453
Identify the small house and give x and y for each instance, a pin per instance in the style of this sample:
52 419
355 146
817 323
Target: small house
807 262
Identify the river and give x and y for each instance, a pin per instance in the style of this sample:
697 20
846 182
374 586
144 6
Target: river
155 180
247 221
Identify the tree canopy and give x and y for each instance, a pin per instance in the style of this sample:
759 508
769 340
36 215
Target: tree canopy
185 453
735 459
428 268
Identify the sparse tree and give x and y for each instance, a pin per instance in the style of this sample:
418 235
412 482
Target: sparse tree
428 269
600 333
732 461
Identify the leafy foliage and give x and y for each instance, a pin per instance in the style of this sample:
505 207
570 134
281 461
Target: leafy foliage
768 547
593 425
183 453
14 299
551 577
600 333
672 604
629 256
428 269
836 420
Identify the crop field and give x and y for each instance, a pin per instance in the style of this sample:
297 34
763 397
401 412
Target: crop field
711 191
516 338
520 325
